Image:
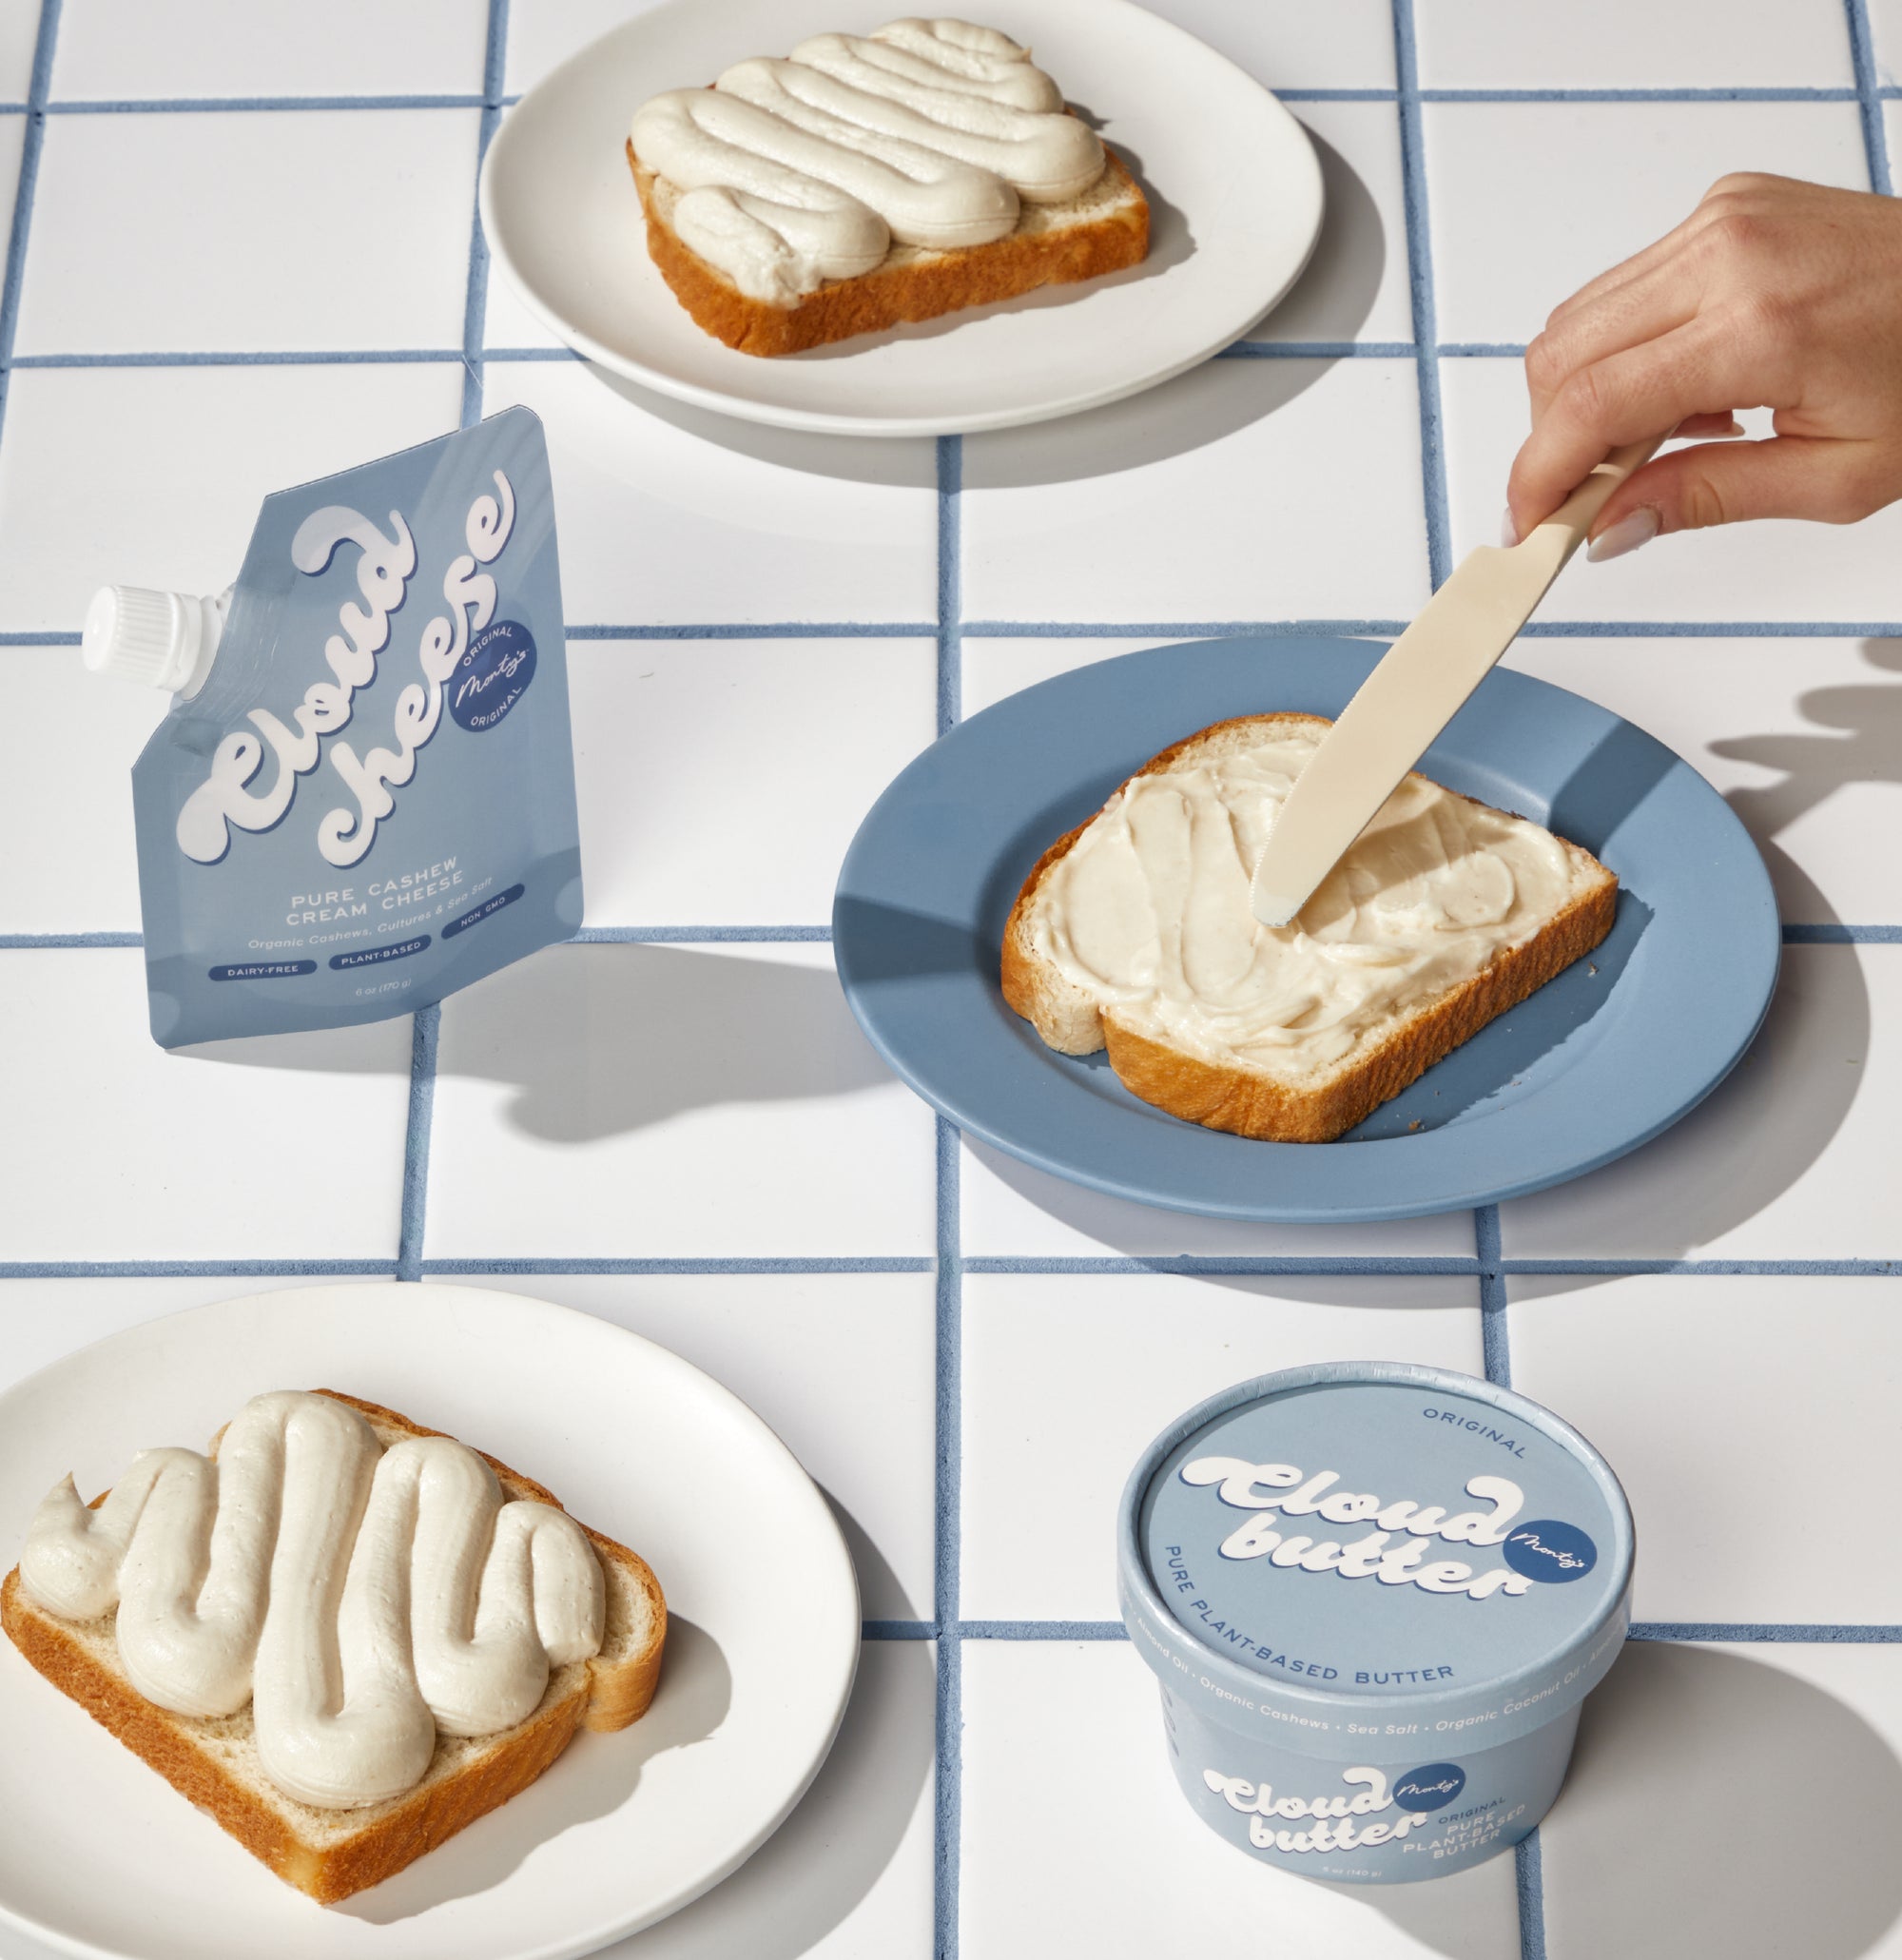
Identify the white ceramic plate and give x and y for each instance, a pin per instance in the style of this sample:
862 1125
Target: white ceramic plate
1235 193
99 1856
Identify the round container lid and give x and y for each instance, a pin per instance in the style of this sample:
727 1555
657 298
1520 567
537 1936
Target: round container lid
1329 1544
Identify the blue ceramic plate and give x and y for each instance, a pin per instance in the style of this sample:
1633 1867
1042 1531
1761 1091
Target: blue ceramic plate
1597 1061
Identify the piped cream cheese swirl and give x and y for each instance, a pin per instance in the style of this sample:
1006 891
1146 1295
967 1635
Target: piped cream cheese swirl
928 132
1149 912
362 1600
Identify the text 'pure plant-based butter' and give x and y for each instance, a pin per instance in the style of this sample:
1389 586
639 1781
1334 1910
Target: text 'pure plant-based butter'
1375 1596
363 795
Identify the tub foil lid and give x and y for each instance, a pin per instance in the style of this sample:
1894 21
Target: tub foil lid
1380 1532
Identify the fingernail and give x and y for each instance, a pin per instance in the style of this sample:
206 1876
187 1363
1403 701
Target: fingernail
1635 527
1508 530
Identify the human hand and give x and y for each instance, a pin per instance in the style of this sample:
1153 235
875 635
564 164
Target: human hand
1772 294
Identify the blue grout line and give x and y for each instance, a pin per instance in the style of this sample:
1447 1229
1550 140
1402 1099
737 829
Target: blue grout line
1528 1880
1213 1265
32 142
1820 1633
1333 94
773 630
1828 934
1481 350
195 1269
1862 51
1420 280
1720 92
476 300
424 1028
1741 1632
1163 629
1042 1630
685 1267
948 460
264 357
1192 1268
950 465
949 1473
252 104
1319 350
51 942
1495 1337
702 935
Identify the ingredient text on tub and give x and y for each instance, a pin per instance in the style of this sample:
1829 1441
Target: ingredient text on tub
384 568
1374 1556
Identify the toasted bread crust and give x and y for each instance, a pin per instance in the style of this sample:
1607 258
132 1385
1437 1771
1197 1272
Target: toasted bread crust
1250 1104
948 282
609 1695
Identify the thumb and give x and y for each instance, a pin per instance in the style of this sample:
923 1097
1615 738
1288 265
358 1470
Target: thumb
1830 480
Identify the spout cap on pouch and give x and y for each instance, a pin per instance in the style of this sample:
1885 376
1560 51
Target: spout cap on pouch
158 639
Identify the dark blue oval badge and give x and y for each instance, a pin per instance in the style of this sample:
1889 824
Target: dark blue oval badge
1429 1789
1549 1550
492 675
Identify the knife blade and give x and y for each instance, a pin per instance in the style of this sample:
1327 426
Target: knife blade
1416 689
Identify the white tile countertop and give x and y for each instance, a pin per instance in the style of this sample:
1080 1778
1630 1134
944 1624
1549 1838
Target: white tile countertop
676 1125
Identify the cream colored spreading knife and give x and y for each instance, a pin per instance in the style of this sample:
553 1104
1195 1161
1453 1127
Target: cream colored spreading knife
1417 688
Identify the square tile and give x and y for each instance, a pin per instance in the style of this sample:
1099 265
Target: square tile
1758 1747
1885 23
1296 44
848 1875
12 145
1772 570
1631 44
1725 1360
543 33
188 216
1077 1840
1580 186
41 1320
672 515
194 451
1010 1209
719 781
129 50
842 1365
83 874
1892 116
992 666
19 38
1067 1378
114 1149
1355 287
662 1101
507 321
1804 737
1244 490
1794 1156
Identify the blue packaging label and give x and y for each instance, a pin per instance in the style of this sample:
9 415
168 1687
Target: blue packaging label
1374 1538
370 802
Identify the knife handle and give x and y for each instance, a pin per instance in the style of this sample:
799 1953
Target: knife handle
1564 532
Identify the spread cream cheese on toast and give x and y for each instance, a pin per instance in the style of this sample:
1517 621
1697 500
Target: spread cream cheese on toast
362 1600
1148 910
926 132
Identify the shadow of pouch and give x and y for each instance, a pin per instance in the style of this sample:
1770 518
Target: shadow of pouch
363 795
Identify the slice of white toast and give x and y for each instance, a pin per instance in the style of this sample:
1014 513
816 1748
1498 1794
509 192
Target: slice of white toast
1291 1034
333 1853
1103 231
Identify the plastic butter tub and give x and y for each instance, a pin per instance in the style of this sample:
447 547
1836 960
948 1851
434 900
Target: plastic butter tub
1375 1597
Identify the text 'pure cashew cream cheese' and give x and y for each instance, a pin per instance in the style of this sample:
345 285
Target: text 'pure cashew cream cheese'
1375 1596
